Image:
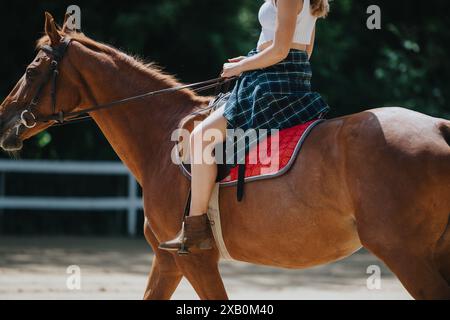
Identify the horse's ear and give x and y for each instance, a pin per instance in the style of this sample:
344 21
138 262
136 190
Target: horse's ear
65 27
51 30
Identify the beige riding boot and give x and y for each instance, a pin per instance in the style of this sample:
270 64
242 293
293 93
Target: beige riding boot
195 234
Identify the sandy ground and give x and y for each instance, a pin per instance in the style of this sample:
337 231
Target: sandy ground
117 268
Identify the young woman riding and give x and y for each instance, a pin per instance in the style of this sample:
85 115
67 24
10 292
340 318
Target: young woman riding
273 91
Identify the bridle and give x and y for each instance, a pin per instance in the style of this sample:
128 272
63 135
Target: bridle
29 118
56 54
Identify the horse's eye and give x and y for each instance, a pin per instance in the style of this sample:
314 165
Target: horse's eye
31 73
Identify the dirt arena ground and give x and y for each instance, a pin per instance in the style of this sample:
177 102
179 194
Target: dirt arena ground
117 268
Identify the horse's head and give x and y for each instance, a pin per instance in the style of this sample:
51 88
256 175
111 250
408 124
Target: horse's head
34 103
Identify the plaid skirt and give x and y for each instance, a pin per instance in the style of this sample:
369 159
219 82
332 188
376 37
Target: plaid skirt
276 97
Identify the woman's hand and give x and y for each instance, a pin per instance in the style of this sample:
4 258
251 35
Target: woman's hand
231 69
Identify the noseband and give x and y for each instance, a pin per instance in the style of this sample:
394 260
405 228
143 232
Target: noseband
29 118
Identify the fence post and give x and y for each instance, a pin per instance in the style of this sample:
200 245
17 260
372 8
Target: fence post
132 208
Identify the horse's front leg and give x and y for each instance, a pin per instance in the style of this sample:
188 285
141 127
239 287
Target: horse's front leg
202 271
164 275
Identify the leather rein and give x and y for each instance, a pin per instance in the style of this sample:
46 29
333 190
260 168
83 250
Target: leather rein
29 118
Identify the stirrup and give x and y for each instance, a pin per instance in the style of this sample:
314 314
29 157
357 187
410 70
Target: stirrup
183 251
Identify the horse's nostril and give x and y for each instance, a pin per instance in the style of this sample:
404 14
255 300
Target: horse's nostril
7 124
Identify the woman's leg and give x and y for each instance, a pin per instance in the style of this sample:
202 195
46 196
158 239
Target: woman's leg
203 172
196 233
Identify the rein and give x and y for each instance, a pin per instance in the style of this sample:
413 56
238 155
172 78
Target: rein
29 119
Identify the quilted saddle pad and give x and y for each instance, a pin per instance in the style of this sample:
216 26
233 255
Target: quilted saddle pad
277 161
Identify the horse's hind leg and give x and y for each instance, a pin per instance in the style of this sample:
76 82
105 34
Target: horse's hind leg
418 274
442 256
411 260
164 275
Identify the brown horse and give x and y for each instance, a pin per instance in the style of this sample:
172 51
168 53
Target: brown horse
378 179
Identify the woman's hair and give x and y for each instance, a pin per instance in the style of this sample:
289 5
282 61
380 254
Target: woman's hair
319 8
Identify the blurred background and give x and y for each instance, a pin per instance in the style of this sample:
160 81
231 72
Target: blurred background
403 64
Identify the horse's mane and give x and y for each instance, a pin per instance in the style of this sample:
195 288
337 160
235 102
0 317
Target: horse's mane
153 69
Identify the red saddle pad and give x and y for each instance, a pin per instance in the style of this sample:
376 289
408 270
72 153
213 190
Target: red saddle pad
272 162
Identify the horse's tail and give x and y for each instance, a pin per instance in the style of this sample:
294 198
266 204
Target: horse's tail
443 247
444 128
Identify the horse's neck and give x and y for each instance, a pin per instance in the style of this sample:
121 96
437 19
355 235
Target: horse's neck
140 131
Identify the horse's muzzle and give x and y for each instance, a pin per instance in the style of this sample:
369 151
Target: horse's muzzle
10 131
11 143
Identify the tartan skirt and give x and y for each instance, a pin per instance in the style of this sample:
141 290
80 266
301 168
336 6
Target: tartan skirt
276 97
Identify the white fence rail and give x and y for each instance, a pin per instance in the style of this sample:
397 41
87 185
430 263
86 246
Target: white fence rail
132 203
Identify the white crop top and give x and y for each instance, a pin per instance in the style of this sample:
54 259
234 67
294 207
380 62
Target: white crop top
305 23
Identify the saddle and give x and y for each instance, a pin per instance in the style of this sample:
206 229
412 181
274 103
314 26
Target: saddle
277 162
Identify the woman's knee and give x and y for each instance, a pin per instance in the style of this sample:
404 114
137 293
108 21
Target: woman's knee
204 135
